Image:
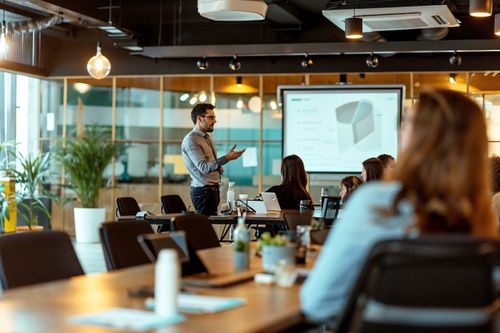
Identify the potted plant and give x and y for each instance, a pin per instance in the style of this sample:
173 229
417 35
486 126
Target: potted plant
275 249
84 160
31 175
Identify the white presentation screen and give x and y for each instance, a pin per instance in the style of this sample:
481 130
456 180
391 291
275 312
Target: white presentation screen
335 128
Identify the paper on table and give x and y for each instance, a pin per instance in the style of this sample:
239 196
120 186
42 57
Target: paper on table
136 320
190 303
250 157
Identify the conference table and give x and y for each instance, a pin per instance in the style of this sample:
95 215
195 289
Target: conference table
48 307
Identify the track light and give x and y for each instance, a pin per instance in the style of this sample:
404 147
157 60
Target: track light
372 61
480 8
453 78
234 64
455 59
497 24
306 62
202 63
354 28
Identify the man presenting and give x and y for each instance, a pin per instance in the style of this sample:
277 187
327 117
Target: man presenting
200 158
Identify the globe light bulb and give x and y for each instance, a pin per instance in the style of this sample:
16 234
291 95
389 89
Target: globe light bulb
4 47
98 66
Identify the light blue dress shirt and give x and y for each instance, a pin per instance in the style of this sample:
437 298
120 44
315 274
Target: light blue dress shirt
199 155
329 284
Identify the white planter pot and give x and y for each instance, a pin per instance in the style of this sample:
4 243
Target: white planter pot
272 255
87 222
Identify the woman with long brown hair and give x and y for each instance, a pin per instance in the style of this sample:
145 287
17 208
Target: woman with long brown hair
373 169
347 186
441 186
293 187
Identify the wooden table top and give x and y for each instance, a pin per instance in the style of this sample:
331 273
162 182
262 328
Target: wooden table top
47 307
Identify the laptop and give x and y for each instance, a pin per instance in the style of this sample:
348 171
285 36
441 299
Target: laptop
271 201
152 244
195 272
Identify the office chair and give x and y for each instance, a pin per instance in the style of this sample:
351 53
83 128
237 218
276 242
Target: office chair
120 246
330 206
199 231
126 206
172 203
435 284
294 219
35 257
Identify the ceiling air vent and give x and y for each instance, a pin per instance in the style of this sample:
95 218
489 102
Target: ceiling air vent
232 10
396 18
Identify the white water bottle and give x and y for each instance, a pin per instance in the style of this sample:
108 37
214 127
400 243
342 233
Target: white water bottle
230 196
166 284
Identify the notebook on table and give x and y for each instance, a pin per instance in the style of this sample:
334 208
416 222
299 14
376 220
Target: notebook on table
195 272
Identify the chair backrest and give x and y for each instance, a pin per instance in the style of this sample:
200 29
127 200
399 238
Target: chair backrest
35 257
442 284
172 204
126 206
199 231
120 246
294 219
330 206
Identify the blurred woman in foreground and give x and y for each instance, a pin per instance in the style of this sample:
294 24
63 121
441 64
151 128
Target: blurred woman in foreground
441 186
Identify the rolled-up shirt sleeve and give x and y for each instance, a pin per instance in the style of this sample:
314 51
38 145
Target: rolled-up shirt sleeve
197 156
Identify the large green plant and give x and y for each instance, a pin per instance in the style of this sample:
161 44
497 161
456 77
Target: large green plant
31 175
84 160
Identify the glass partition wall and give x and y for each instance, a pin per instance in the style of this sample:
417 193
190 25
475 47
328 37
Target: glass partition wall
149 117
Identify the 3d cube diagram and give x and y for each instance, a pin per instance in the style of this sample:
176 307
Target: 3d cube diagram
355 122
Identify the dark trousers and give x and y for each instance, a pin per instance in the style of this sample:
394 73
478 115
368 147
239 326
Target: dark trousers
205 199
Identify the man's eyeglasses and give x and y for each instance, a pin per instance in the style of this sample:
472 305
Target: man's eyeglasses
209 117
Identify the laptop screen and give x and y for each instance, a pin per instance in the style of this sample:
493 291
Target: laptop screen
271 201
152 244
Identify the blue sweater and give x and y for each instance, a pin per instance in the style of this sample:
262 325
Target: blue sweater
327 288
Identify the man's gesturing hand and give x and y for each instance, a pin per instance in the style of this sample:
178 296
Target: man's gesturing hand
234 154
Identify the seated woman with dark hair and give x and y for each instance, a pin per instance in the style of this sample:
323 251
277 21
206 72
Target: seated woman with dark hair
372 170
347 186
429 195
293 184
495 172
389 163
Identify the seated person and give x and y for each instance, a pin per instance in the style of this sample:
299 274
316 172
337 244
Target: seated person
372 170
428 196
389 164
293 184
495 172
347 186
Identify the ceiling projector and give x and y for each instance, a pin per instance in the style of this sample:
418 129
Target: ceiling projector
232 10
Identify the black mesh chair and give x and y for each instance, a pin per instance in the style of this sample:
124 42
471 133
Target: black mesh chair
432 285
172 204
126 206
330 206
199 231
120 246
35 257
